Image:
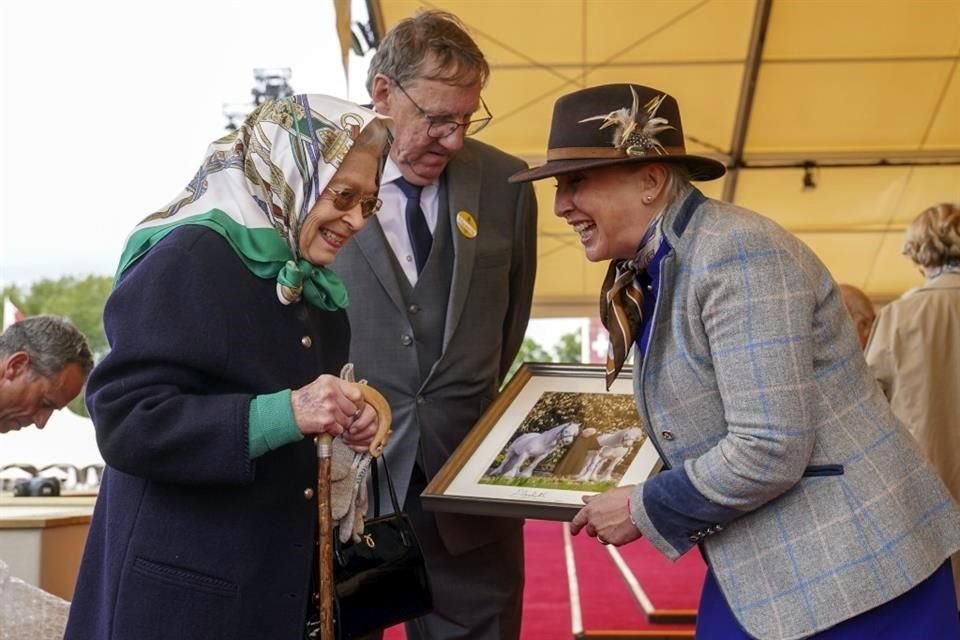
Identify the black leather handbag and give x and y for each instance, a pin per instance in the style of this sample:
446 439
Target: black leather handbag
382 579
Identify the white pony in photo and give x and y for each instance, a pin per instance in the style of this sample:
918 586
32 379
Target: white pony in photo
534 447
600 463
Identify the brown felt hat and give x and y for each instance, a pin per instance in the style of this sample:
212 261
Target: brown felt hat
613 124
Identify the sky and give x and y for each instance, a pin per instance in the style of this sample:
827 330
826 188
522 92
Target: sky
107 107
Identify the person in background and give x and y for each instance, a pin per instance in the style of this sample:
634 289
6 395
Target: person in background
44 362
442 284
228 332
860 308
816 515
915 348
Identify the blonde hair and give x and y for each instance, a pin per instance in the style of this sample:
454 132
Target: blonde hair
933 238
678 180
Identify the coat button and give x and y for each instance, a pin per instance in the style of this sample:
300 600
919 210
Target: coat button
667 435
413 308
406 341
420 400
306 342
308 493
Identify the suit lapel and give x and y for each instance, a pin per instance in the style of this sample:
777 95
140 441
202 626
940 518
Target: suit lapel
463 194
373 244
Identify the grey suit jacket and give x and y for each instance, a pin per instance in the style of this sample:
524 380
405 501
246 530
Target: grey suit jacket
489 306
811 500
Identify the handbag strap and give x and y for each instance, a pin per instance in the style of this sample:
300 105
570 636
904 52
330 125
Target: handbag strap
376 486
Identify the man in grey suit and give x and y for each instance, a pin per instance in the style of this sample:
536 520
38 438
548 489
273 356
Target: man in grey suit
440 289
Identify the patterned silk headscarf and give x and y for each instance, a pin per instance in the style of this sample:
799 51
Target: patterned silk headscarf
256 187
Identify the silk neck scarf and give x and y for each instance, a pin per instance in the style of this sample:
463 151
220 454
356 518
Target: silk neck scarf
621 299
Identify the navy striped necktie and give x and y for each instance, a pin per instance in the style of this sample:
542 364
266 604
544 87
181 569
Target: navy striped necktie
417 228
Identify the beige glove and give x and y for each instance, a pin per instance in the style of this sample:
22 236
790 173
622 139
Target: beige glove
349 470
348 489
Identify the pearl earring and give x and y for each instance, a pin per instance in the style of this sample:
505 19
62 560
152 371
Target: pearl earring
647 199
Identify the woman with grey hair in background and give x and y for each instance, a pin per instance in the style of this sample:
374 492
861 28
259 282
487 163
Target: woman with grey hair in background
914 351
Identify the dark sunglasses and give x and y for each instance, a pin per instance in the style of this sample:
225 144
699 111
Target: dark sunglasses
346 199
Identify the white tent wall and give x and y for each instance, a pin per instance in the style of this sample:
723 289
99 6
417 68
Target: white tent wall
67 439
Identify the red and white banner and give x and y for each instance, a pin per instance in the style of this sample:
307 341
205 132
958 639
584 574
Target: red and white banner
10 313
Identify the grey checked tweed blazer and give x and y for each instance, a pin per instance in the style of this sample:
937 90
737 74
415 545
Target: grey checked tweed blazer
811 500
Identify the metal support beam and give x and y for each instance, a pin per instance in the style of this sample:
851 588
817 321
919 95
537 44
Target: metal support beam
758 35
872 158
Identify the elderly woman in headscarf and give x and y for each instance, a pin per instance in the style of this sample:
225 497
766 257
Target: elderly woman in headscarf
914 351
816 514
227 332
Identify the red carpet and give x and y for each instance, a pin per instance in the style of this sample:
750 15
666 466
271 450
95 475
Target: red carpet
600 603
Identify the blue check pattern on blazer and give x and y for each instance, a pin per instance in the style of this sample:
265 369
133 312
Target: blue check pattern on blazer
783 459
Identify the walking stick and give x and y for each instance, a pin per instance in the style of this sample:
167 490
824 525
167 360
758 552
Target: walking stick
325 519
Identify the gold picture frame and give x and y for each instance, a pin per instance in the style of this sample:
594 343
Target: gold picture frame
552 436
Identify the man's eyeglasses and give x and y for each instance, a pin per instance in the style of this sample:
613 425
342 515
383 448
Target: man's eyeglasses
442 127
346 199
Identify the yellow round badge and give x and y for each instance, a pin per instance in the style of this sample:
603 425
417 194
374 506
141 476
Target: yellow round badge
466 224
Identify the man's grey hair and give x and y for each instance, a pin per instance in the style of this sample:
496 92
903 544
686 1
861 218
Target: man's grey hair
433 45
51 342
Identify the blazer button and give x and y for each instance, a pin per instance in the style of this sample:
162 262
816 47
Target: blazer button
420 400
413 308
307 493
306 342
667 435
406 340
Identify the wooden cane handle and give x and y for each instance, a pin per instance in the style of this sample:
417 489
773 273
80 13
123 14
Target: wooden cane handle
384 417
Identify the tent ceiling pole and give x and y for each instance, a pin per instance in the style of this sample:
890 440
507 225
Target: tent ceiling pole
758 35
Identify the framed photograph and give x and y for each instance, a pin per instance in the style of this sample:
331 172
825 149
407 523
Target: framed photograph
554 435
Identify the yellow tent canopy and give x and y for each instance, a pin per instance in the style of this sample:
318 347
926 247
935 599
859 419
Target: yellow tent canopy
859 100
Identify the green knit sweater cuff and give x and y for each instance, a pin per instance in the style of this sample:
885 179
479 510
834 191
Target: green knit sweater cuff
271 423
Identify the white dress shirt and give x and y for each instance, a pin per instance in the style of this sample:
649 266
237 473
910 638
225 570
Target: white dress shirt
393 219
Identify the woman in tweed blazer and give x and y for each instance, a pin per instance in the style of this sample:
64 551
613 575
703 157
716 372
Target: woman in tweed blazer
814 510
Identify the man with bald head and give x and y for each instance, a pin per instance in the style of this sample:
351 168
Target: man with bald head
860 309
44 362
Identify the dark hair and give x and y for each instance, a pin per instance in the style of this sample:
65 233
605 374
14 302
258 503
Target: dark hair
51 342
433 45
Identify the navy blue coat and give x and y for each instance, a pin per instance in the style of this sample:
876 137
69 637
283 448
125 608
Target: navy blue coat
190 538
